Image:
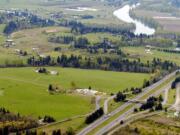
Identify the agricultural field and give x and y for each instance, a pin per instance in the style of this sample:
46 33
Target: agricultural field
27 40
51 48
168 18
32 99
104 81
38 38
103 14
168 22
139 52
22 87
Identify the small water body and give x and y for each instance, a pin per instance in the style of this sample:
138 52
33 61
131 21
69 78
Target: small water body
123 15
81 9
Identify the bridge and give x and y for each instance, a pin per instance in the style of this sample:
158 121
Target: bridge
136 101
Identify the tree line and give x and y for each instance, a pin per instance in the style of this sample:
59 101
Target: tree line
15 122
169 51
94 116
80 28
16 22
175 82
153 103
104 63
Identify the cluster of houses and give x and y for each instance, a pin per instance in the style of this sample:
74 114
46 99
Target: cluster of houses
148 49
9 43
43 70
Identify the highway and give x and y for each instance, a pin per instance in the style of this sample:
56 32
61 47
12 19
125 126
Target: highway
90 127
125 114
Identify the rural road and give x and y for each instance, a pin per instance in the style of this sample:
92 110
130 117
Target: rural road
166 91
98 99
177 103
106 103
90 127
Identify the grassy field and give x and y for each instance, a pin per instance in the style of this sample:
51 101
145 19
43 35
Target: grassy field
76 124
103 15
32 99
106 81
25 91
38 37
19 86
139 52
171 96
154 125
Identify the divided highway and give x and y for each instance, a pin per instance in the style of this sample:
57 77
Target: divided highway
131 110
98 122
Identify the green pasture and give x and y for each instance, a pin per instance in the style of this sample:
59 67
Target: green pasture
25 91
139 52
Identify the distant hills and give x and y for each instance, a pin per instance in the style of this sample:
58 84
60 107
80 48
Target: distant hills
176 3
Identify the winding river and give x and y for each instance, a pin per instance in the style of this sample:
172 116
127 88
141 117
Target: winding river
123 15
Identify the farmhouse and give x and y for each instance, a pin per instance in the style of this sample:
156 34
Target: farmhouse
54 72
9 43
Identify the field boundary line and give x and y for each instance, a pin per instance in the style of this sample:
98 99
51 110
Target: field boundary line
10 78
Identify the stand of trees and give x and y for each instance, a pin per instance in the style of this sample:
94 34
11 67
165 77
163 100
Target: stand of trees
48 119
169 51
79 28
105 63
175 82
120 97
94 116
61 39
153 103
15 122
148 21
25 22
136 90
175 3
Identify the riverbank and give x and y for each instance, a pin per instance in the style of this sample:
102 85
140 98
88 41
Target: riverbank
123 15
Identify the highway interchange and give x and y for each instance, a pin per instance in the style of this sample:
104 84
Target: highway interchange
127 106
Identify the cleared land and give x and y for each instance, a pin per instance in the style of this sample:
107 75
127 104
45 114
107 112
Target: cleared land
25 91
171 96
164 16
139 52
103 15
158 124
32 99
106 81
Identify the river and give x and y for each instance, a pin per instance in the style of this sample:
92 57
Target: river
123 15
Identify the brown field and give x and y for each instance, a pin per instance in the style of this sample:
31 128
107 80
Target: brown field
168 24
154 125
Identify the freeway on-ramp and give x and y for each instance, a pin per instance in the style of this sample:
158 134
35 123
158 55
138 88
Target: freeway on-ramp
98 122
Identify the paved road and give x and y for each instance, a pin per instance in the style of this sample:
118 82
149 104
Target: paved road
98 99
122 107
177 103
106 104
131 110
166 92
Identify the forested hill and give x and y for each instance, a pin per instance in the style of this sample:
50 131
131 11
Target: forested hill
176 3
